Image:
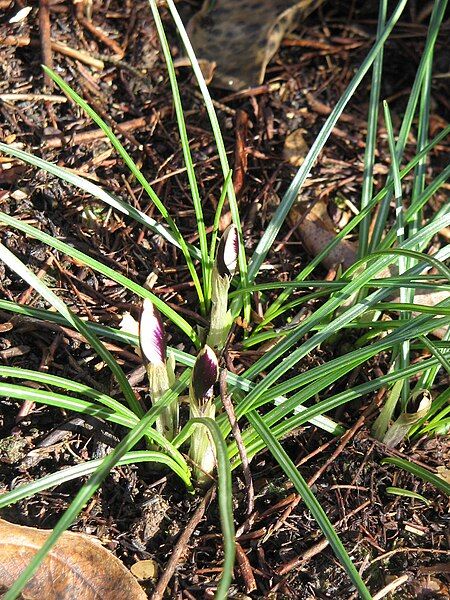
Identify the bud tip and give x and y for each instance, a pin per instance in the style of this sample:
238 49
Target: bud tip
151 334
227 251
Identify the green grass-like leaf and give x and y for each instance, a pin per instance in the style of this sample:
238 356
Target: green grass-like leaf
18 267
395 491
243 269
98 193
419 472
206 266
134 170
81 470
96 265
437 16
89 488
291 194
311 502
225 492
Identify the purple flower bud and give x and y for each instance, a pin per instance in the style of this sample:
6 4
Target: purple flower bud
151 334
227 252
204 374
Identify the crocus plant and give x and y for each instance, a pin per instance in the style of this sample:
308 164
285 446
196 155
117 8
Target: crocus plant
159 367
201 403
223 270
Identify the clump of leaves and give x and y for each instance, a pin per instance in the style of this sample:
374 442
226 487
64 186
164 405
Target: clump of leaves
353 300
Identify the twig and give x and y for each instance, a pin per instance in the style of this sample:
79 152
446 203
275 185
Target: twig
46 45
83 57
228 406
57 141
181 545
266 88
20 350
15 40
98 33
319 546
323 109
25 40
387 555
240 151
47 359
348 435
219 105
246 569
391 587
25 296
31 97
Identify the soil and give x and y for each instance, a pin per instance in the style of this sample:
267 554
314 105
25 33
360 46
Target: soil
138 513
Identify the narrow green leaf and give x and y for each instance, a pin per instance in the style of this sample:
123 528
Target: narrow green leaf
420 472
89 488
395 491
437 16
372 126
205 264
18 267
390 237
99 193
225 492
134 170
311 502
291 194
243 270
25 490
104 270
68 385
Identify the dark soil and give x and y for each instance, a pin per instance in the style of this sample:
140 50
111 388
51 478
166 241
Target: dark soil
139 513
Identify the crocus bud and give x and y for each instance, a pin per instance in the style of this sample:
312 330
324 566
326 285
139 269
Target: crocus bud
204 376
151 334
201 401
160 371
227 252
223 270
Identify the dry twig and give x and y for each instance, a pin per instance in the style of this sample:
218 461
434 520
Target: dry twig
181 545
227 404
46 44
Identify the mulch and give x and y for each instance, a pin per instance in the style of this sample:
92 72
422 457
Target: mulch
114 62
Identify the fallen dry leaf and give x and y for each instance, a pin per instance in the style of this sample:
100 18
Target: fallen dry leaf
295 148
400 428
145 569
316 231
430 587
444 473
77 567
241 37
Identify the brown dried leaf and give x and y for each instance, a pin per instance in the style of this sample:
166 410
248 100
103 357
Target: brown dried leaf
444 473
295 148
430 587
77 567
316 231
241 37
145 569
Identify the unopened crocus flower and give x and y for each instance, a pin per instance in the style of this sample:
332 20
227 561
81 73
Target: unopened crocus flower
201 402
223 271
160 368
